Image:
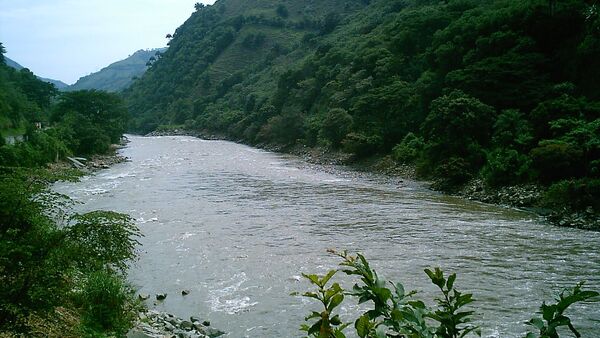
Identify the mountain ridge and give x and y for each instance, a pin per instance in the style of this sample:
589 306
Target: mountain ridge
57 83
118 75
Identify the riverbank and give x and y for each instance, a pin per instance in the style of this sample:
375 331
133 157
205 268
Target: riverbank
155 324
524 196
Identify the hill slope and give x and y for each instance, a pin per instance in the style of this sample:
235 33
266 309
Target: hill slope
119 75
57 83
501 90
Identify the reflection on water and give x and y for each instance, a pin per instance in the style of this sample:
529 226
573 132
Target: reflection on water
237 226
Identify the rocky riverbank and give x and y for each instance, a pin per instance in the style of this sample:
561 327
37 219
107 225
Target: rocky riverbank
155 324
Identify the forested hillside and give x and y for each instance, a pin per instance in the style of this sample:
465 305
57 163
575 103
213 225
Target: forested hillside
503 90
74 123
119 75
57 83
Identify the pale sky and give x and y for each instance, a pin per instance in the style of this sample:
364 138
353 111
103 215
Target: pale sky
67 39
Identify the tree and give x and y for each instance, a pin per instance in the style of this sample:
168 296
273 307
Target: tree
456 126
198 6
335 126
2 52
92 119
282 11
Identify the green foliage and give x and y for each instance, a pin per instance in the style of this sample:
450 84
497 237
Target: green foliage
327 324
89 121
362 145
119 75
334 127
553 316
512 130
577 195
105 300
506 166
103 238
282 11
453 324
455 125
409 149
452 173
45 252
390 311
553 161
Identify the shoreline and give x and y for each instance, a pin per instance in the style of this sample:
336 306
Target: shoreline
523 197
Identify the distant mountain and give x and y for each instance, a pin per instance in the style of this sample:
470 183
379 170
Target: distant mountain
58 84
118 75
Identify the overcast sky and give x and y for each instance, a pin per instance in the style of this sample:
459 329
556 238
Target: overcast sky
67 39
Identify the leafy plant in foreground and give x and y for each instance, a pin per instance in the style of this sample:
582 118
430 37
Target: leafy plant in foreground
394 313
553 315
453 324
327 325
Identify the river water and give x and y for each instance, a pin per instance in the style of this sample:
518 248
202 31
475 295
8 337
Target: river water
237 226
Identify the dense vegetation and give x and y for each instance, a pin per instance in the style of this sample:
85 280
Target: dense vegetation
119 75
58 84
79 123
61 273
502 90
392 311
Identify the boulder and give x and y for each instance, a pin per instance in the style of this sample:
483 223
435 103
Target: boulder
186 325
136 333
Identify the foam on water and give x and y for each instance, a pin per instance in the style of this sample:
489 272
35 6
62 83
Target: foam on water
225 296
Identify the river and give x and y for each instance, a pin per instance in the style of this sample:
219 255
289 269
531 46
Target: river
237 226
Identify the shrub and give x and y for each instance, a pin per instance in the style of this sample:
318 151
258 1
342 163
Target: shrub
362 145
555 160
574 194
409 149
104 301
452 173
282 11
335 126
456 124
45 253
505 167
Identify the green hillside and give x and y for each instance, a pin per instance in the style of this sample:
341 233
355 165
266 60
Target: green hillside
57 83
119 75
501 90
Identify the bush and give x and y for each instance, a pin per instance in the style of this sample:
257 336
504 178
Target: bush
362 145
335 126
506 167
284 129
555 160
282 11
576 195
452 173
105 300
456 126
409 149
45 253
